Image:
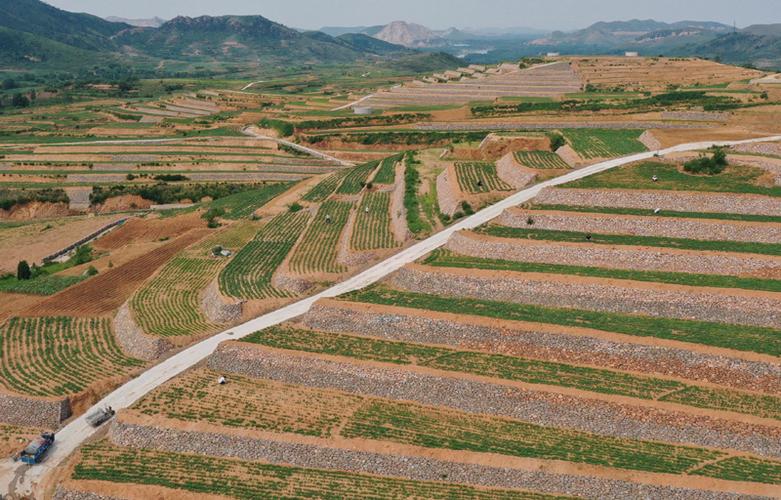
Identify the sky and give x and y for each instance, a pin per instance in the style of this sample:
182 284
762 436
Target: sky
439 14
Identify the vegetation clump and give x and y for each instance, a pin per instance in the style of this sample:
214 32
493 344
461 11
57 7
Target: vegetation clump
709 166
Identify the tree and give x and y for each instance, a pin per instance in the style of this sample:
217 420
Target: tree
20 101
9 84
557 141
23 271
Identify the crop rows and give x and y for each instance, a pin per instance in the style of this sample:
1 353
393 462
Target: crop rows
519 369
479 177
604 143
250 480
317 251
58 356
169 305
249 273
542 160
335 414
740 337
386 174
372 229
356 178
326 187
241 205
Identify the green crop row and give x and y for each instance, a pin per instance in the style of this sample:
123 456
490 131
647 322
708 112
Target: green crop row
604 143
386 174
59 356
326 187
479 177
518 369
244 204
318 249
372 229
542 160
357 178
739 337
102 461
248 274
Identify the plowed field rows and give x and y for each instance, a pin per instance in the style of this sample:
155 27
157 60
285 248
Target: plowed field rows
317 251
479 178
542 160
59 356
372 229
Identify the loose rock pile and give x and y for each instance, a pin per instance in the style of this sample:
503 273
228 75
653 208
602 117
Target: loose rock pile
535 341
595 294
415 468
615 257
543 408
698 229
674 201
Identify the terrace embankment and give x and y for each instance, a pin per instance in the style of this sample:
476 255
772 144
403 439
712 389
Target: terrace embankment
33 412
219 308
620 417
512 173
741 307
544 342
677 201
615 257
449 195
402 462
132 339
671 227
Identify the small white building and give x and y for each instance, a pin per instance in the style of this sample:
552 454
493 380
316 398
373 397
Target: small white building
632 54
362 110
554 54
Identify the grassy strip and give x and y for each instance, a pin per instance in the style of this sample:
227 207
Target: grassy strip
102 461
42 285
442 258
665 213
735 179
244 204
622 239
412 181
418 425
738 337
516 369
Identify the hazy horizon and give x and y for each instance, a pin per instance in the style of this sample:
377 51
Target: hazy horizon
538 14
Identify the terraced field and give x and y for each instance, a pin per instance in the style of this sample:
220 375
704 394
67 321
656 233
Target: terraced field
248 274
169 305
386 174
542 160
372 228
604 143
59 356
479 177
357 178
326 187
243 205
319 246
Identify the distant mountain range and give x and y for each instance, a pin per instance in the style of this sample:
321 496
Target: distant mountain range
760 45
34 34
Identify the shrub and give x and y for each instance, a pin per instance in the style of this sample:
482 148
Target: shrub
23 271
556 141
82 255
467 208
295 207
709 166
91 271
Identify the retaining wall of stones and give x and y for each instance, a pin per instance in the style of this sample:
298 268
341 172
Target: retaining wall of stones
132 338
671 227
407 467
676 201
648 140
484 398
614 257
31 412
595 294
218 308
528 341
512 173
762 148
67 493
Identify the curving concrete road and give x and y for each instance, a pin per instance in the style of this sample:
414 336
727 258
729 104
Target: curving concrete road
21 480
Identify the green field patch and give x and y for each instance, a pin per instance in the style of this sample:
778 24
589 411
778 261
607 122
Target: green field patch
356 178
742 338
326 187
592 143
41 285
244 204
743 469
248 275
734 179
542 160
372 228
418 425
517 369
386 174
317 251
102 461
479 177
621 239
442 258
